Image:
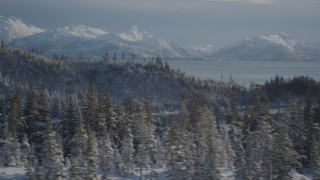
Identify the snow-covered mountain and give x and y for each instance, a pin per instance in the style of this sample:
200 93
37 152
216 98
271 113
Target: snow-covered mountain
76 40
12 28
270 47
200 50
79 40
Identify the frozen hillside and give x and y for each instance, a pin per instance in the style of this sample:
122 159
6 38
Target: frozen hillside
275 47
13 28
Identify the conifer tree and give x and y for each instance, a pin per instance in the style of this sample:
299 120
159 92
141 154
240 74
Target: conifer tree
89 110
3 120
15 120
179 147
51 157
111 121
78 146
142 140
213 142
69 125
91 157
316 152
41 125
12 145
308 121
284 155
236 136
259 140
127 149
297 130
31 114
106 155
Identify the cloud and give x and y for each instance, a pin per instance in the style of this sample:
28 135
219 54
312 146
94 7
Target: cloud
247 1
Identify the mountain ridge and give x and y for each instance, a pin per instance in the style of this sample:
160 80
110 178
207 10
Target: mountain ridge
78 40
272 47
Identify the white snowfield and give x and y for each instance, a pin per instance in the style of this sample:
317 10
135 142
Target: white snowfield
281 39
13 28
19 173
82 31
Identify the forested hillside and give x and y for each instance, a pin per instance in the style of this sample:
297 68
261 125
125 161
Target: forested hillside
66 118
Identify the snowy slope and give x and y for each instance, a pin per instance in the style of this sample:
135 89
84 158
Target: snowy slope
270 47
163 46
200 50
135 35
82 31
13 28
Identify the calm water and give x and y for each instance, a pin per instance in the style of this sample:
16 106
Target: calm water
244 72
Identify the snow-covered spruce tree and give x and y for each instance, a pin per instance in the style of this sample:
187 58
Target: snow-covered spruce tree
101 115
117 161
11 152
15 117
30 164
177 148
31 114
3 120
315 155
259 141
111 121
120 119
91 157
78 146
127 151
236 136
297 130
284 157
89 110
317 111
52 156
69 125
25 151
213 143
153 132
106 155
12 146
142 139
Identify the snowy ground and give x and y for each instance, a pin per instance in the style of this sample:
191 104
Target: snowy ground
14 173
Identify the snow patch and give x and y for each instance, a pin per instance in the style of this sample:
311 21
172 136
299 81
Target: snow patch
82 31
281 39
12 173
135 35
165 44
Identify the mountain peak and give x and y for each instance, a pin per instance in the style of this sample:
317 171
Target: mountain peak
135 34
82 31
12 28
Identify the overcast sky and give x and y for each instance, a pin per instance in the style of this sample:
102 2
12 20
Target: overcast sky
184 22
